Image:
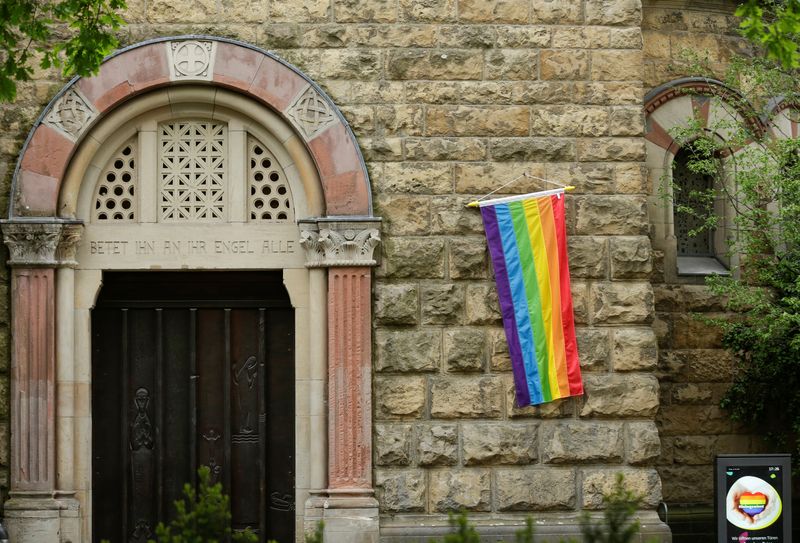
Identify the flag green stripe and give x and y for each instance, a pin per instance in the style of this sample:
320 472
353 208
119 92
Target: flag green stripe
520 223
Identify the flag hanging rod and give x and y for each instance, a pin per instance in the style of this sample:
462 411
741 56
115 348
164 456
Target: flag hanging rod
518 197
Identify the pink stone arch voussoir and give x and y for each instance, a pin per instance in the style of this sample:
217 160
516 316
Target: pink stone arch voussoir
143 67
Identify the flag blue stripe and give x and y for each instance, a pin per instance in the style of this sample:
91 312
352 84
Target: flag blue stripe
518 295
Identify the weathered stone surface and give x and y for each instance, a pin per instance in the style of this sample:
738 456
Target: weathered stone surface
479 178
535 489
350 64
694 450
625 38
564 64
677 420
569 121
532 149
631 178
588 257
408 350
438 445
404 215
454 490
564 408
611 149
447 64
615 215
643 443
644 482
568 442
399 120
290 11
393 444
689 332
448 216
468 258
445 149
482 305
464 349
428 10
477 121
557 11
513 64
400 491
499 358
442 304
620 395
580 302
396 303
417 178
399 397
356 11
613 12
687 484
696 365
5 457
631 257
414 257
634 349
467 36
498 443
466 397
493 11
622 303
626 121
593 349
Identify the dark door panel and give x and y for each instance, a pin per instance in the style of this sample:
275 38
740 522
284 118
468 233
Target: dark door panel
178 383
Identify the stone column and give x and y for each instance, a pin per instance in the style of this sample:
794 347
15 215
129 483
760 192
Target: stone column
346 248
37 247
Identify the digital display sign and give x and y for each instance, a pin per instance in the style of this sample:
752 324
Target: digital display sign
753 498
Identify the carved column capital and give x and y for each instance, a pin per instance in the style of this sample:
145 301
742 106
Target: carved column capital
48 244
330 243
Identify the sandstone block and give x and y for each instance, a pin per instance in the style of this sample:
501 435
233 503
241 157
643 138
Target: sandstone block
482 304
614 12
593 348
296 12
358 11
498 443
466 397
380 149
567 442
408 350
399 120
449 64
438 445
634 349
580 302
493 11
532 489
631 257
454 490
498 350
563 64
523 36
691 393
404 215
697 365
611 149
620 395
588 178
677 420
460 36
622 303
588 257
400 491
689 332
350 64
393 444
511 64
161 11
445 149
396 35
557 11
577 37
477 121
532 149
399 397
643 443
468 258
609 93
569 121
464 349
448 216
417 178
643 482
626 121
551 410
428 10
631 178
688 484
414 257
442 304
613 215
694 450
478 178
617 65
625 38
396 304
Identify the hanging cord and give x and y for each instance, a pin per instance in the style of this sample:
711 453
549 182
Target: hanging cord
525 175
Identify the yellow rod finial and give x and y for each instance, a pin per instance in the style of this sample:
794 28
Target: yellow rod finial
472 204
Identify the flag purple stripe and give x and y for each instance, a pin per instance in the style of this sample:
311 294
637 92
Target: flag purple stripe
506 304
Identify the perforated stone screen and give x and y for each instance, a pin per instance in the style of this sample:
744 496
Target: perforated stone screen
270 198
115 194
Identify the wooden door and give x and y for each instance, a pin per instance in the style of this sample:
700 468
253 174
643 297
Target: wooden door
192 369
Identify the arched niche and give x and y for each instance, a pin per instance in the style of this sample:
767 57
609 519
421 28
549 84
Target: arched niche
61 245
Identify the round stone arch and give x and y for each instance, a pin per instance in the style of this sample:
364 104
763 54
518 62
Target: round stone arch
56 277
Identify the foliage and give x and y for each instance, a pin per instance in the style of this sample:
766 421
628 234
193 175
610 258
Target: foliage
618 526
775 24
317 536
73 35
757 172
203 516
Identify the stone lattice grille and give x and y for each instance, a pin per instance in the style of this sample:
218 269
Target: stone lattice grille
270 198
115 195
192 171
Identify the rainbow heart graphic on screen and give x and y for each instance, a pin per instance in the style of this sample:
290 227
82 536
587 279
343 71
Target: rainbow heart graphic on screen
752 503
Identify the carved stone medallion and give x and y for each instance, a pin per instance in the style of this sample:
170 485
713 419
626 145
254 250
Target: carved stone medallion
311 113
71 114
191 59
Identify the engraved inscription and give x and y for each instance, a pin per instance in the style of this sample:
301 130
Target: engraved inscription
189 247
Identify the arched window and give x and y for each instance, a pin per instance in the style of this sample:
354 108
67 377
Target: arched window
690 190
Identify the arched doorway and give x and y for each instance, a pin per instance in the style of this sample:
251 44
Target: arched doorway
237 163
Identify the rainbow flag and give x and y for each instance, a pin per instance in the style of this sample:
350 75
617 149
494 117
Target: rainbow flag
528 245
